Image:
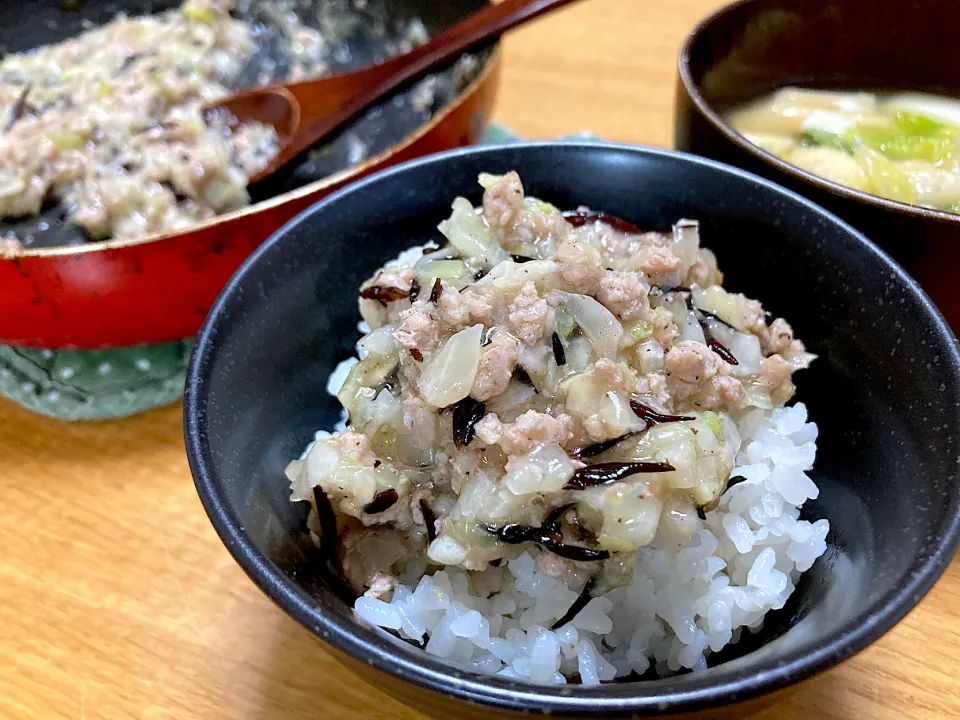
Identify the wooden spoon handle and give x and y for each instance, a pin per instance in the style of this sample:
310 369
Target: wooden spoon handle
326 103
492 21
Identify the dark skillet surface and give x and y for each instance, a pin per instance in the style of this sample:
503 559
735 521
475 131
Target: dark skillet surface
885 393
365 36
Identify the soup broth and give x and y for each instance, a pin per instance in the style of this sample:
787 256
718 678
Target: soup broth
903 146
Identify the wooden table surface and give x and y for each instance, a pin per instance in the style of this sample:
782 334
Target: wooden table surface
117 599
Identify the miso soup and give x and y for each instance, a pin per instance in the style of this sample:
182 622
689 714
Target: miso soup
903 146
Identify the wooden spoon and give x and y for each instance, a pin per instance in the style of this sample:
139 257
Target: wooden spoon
303 112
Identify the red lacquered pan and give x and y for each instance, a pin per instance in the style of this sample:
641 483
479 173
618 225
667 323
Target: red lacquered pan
159 288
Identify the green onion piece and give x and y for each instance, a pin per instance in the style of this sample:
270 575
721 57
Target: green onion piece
641 331
66 139
913 124
823 138
197 14
565 323
898 146
713 422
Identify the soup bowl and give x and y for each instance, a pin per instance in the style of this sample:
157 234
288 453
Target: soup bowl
256 395
750 48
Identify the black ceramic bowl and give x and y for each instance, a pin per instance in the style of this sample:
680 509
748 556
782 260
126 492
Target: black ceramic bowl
885 391
752 47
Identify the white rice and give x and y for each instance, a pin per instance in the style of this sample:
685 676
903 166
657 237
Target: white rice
743 561
336 380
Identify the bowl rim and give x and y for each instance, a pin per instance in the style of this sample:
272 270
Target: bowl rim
717 121
685 693
490 66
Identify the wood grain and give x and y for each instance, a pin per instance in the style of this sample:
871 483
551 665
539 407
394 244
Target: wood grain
117 600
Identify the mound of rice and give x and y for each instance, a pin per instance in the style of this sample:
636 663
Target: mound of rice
567 453
743 561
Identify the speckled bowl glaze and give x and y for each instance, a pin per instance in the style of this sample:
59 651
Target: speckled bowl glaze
752 47
888 374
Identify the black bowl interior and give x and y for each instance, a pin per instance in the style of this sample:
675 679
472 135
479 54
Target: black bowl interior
752 47
360 34
885 392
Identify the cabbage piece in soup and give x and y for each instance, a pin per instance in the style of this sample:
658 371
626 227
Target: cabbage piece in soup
903 147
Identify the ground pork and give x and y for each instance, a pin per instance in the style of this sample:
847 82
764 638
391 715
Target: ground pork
665 330
697 274
502 201
616 244
777 337
531 429
581 266
660 265
697 375
775 374
534 225
797 354
462 309
419 329
625 295
752 315
529 315
496 366
609 376
654 385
